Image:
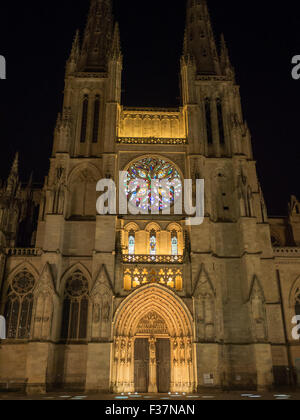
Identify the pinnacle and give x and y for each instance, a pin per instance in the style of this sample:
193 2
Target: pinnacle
15 165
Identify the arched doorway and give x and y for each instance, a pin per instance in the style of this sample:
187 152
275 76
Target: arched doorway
153 349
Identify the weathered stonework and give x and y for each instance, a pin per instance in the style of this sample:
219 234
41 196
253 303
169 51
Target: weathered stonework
218 313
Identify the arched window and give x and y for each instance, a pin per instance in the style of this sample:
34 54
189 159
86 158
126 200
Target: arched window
18 310
96 119
83 193
131 243
85 107
75 309
153 242
174 243
208 121
220 121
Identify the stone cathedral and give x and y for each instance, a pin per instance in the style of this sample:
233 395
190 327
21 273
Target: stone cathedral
147 303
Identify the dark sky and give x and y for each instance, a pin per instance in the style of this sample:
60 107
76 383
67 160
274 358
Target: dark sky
36 36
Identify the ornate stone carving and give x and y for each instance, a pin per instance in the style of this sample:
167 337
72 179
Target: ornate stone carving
152 324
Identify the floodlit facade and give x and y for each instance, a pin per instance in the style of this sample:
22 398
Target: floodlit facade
123 303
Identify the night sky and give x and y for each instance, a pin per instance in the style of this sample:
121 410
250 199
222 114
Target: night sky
36 37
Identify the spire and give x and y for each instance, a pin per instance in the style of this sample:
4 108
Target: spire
13 178
199 38
226 66
74 56
14 172
30 182
97 37
29 186
116 45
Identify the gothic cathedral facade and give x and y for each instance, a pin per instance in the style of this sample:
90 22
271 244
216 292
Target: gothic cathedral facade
147 303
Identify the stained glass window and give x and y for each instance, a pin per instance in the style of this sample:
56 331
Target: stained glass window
75 310
131 243
174 243
153 243
140 177
18 310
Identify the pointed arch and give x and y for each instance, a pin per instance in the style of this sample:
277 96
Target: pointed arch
153 226
175 322
21 267
204 299
131 226
76 287
68 273
19 299
82 189
159 299
294 293
77 171
257 303
174 226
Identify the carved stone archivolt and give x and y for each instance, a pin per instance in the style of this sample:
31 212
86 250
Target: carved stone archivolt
152 312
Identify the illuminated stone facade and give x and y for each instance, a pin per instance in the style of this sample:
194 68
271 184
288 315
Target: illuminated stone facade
147 303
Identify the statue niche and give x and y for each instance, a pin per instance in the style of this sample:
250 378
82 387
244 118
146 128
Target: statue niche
101 316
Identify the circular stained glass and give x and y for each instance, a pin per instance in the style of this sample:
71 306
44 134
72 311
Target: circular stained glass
23 283
147 194
77 285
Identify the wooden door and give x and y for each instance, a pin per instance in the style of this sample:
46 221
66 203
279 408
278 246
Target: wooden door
163 356
141 365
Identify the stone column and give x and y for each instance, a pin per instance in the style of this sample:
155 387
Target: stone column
175 364
131 365
115 364
152 389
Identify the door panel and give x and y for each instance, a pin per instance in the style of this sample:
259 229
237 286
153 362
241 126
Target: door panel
163 355
141 365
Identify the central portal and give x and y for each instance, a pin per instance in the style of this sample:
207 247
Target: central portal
152 365
152 355
153 349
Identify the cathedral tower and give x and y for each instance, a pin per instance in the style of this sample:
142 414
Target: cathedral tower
147 303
